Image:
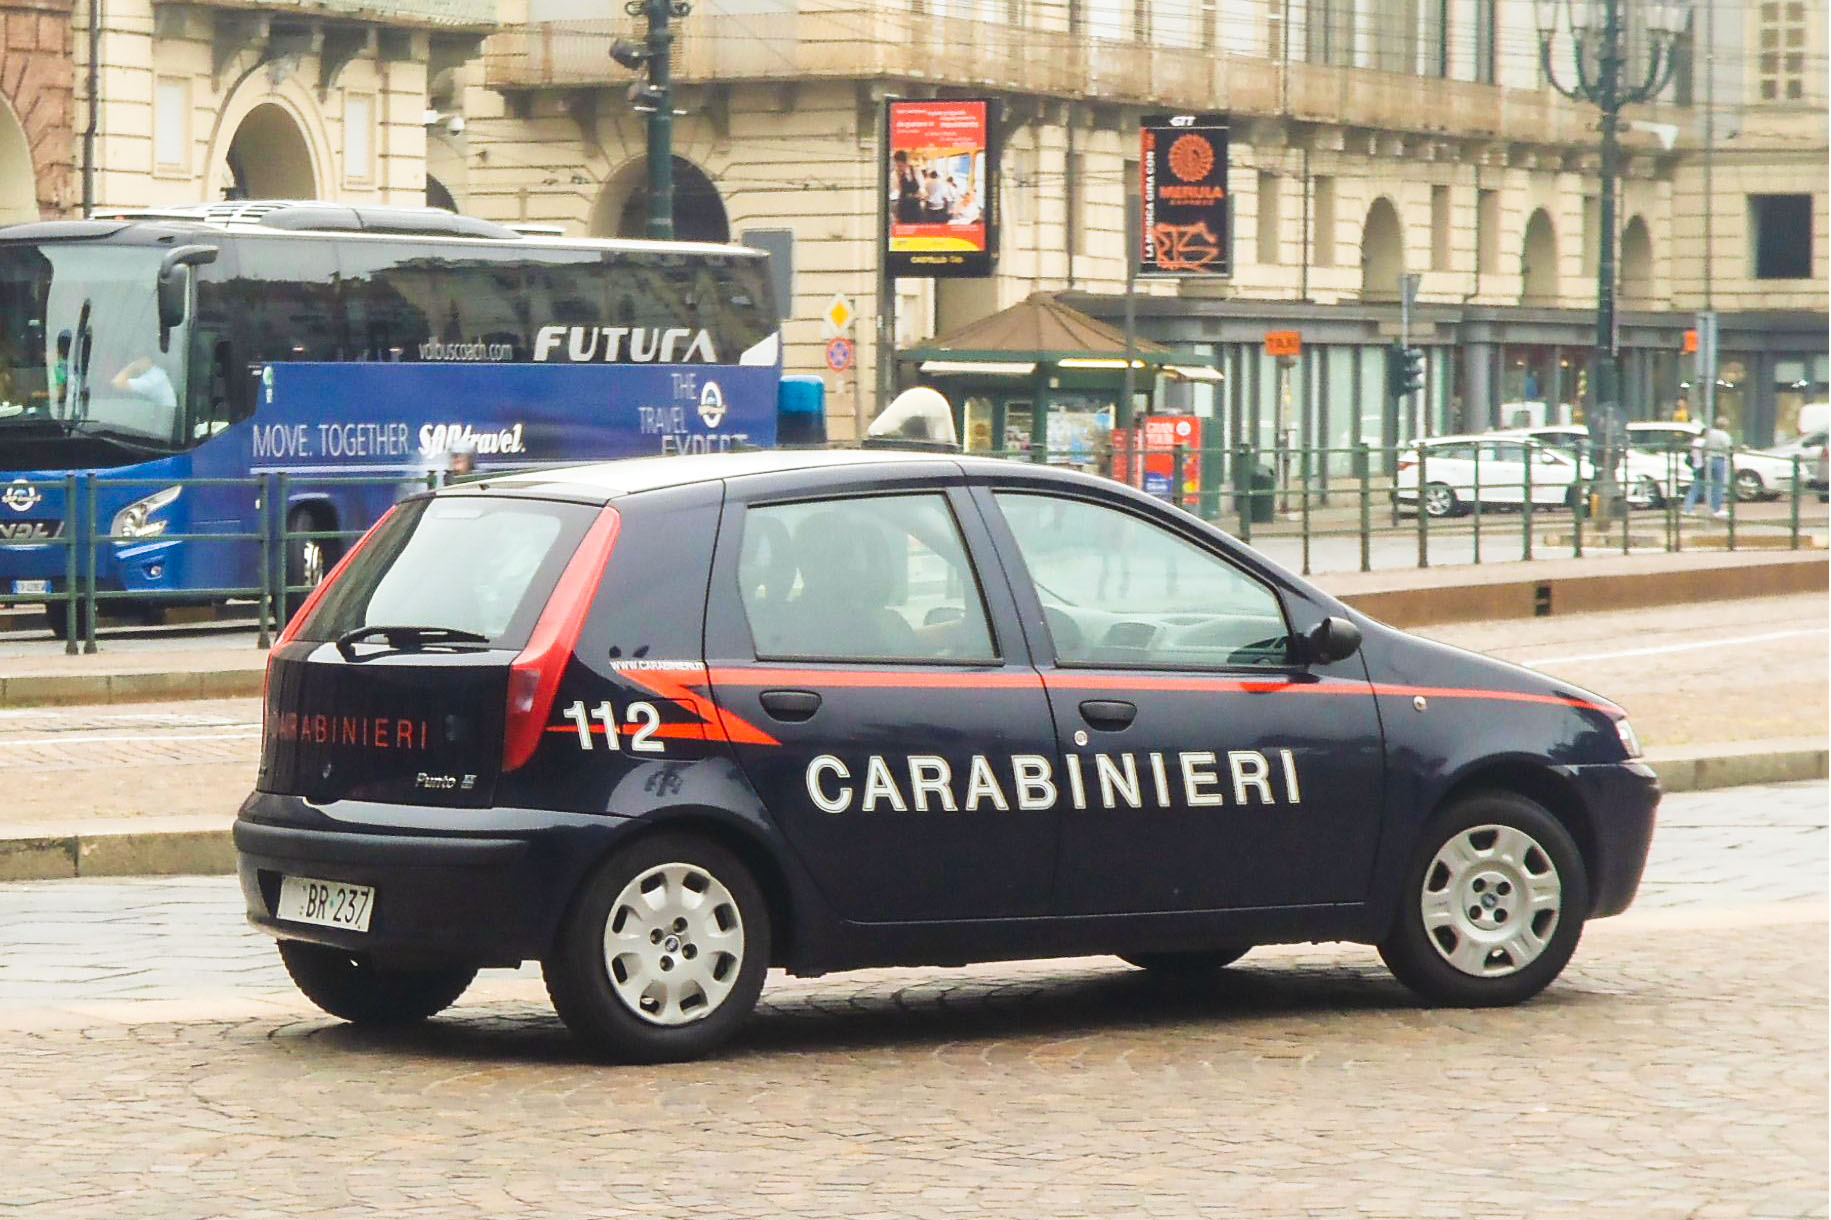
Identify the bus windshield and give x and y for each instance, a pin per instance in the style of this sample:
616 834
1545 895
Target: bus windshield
79 344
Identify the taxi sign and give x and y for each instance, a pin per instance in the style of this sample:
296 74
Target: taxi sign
1282 343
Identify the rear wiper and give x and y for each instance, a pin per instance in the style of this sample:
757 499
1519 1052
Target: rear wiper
406 639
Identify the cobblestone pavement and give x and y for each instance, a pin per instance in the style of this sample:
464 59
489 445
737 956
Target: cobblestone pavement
159 1065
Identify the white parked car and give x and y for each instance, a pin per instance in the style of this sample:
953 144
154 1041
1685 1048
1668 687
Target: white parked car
1759 474
1451 474
1649 479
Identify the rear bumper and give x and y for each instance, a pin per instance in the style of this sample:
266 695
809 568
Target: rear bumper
488 892
1623 799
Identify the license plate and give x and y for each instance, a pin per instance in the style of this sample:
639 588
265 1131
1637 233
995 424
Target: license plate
31 586
329 904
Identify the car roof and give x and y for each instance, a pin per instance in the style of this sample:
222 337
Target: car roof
605 481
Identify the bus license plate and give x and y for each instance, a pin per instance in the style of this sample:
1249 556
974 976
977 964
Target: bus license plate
329 904
31 586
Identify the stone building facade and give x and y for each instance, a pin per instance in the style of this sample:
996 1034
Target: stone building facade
37 134
1370 139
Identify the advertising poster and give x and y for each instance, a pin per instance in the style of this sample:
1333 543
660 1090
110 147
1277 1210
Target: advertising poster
1182 159
941 178
1145 456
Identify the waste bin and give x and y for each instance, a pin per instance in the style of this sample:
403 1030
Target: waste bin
1258 500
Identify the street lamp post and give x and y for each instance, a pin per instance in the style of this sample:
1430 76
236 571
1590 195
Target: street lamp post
1599 62
657 98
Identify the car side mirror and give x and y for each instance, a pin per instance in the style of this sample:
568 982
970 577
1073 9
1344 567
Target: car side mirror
1333 639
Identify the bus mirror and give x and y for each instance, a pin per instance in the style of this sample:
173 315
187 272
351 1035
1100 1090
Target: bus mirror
172 286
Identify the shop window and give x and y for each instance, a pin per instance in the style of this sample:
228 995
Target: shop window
1780 236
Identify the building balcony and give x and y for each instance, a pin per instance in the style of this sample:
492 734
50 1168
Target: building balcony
467 15
802 40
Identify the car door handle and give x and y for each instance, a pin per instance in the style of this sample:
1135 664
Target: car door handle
790 705
1109 714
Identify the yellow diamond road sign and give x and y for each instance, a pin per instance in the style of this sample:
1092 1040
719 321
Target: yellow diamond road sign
839 313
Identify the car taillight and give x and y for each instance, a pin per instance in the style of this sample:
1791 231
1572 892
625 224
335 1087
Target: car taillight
534 676
1406 463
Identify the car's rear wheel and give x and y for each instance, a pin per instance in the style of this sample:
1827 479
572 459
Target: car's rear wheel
350 987
1440 500
1644 493
1492 905
1749 486
663 953
1191 962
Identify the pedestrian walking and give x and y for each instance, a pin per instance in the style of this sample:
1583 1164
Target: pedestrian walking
1710 454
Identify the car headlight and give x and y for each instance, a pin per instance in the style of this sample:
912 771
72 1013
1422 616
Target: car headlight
133 521
1630 740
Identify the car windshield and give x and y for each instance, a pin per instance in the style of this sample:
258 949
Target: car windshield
79 343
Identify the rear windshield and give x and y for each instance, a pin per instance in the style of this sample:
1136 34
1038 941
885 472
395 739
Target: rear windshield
474 563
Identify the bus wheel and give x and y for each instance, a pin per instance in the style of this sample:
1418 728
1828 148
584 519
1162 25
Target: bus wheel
56 618
307 559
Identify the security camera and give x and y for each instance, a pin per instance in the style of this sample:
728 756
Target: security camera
455 125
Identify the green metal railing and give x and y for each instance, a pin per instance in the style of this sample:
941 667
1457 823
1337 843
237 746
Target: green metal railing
1327 497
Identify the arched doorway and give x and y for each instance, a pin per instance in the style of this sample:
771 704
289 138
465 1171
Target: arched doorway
1382 252
1637 263
18 184
437 196
621 209
268 158
1538 268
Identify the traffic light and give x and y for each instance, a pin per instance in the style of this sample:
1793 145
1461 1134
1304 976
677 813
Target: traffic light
1404 370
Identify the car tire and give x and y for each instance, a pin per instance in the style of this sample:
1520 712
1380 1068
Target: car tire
1645 493
348 986
676 986
58 621
1188 963
1454 940
1440 500
1749 486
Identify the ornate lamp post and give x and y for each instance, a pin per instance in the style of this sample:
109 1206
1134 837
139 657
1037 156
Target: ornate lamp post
1598 62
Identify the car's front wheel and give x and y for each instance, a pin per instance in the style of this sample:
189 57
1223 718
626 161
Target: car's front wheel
350 987
1493 904
1644 493
1440 500
663 953
1749 486
1190 962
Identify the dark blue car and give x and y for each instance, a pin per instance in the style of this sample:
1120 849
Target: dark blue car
663 723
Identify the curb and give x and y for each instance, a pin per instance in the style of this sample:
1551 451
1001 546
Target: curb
164 853
36 690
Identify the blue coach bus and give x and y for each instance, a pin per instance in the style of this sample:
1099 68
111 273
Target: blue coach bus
321 342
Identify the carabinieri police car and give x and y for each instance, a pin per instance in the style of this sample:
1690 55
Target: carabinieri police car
663 723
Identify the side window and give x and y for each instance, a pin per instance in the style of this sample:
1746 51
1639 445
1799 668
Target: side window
1120 590
870 578
1458 453
1504 451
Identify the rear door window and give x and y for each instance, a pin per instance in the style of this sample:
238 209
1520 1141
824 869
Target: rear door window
870 578
478 564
